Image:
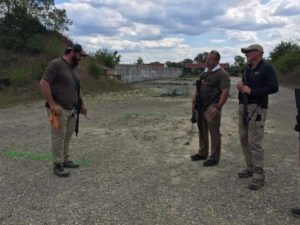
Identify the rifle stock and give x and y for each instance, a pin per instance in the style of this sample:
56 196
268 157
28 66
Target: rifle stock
297 127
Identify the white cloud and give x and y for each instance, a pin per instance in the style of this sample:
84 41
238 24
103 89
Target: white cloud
219 41
141 31
117 43
243 36
162 29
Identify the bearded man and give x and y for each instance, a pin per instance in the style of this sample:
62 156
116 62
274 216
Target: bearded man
60 86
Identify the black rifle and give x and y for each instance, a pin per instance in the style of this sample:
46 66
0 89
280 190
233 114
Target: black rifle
297 126
200 108
78 106
197 102
246 118
198 99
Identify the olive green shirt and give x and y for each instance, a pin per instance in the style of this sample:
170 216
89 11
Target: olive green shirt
63 87
212 86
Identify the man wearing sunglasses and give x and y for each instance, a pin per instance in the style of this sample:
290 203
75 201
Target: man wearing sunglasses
211 94
259 81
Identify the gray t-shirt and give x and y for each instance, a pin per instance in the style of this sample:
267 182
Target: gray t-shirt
62 84
212 86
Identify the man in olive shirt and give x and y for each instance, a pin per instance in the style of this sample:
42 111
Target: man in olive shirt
211 94
60 86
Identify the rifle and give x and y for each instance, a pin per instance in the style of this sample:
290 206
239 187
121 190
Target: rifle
78 106
197 102
297 126
78 110
199 106
246 118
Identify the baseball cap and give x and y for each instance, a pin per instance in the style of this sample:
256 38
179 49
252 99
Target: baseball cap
254 47
77 48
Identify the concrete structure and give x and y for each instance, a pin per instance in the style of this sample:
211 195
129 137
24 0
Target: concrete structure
134 73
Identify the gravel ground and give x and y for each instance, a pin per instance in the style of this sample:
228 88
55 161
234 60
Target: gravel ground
139 144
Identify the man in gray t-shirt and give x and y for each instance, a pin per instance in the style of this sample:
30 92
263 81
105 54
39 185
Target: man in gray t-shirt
60 86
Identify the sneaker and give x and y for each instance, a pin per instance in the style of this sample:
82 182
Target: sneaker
210 162
198 157
296 212
70 164
59 170
245 173
256 184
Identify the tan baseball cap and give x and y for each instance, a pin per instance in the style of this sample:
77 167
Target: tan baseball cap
254 47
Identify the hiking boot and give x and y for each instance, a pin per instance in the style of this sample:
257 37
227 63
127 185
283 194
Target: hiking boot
245 173
198 157
296 212
210 162
258 179
70 164
256 184
59 170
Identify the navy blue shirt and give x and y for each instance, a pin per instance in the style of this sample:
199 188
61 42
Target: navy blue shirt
262 80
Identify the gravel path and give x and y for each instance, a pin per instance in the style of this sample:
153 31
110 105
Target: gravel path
140 171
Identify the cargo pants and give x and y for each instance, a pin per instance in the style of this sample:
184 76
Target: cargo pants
61 137
207 126
251 138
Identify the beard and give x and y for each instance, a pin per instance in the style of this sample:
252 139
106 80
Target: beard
75 61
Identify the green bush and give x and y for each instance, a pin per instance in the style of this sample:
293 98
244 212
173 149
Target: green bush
19 76
94 70
35 44
24 75
55 47
37 69
287 63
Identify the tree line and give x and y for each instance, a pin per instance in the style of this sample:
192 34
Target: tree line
285 57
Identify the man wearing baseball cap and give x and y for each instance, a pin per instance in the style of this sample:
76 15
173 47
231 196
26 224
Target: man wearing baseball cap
60 86
259 80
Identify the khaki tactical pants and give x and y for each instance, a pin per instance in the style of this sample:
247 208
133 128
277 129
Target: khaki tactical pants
251 138
61 137
207 125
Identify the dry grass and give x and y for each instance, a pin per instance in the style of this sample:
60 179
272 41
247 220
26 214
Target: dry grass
16 95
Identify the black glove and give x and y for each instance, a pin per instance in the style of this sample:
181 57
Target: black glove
194 118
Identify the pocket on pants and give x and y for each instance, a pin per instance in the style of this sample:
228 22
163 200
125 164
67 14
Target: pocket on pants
260 124
260 119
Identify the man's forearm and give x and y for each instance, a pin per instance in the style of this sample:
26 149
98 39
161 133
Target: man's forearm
46 91
223 99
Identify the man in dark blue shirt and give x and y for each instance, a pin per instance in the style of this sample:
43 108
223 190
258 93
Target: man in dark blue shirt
259 81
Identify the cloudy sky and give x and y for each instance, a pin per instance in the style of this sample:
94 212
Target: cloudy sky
162 30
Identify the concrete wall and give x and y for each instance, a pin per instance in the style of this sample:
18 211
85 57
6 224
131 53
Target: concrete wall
133 73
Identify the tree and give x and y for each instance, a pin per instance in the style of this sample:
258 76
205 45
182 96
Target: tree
107 58
42 10
239 61
201 57
139 61
155 63
17 27
286 57
24 20
236 68
174 64
187 61
284 48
